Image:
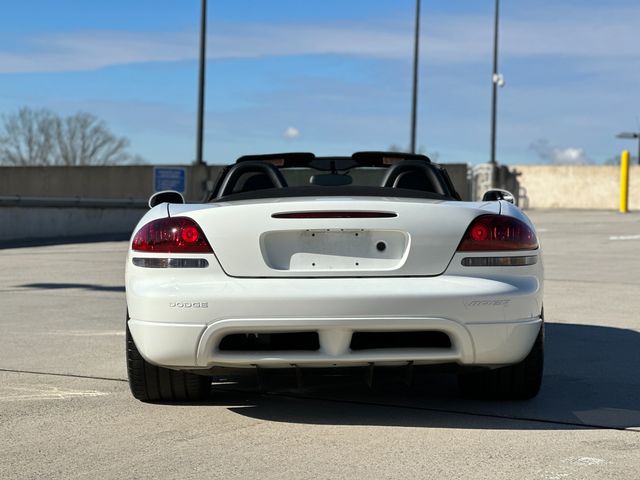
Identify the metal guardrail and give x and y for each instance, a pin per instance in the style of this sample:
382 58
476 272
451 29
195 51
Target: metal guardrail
79 202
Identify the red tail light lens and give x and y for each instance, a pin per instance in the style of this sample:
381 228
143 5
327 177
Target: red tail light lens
171 235
497 233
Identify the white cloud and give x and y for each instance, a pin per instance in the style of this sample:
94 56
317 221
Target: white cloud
291 133
594 33
569 155
560 155
93 50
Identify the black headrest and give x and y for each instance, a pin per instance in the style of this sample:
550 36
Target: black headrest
272 176
414 180
410 168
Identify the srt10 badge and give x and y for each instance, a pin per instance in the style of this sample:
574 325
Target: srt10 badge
487 303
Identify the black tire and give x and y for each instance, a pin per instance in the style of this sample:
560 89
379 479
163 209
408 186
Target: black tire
521 381
150 383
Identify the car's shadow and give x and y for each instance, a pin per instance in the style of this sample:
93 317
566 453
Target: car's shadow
591 380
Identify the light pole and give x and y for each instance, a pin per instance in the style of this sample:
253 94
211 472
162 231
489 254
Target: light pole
632 135
497 80
203 54
414 98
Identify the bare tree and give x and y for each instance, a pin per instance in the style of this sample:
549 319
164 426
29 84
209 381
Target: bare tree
615 160
41 137
83 139
27 138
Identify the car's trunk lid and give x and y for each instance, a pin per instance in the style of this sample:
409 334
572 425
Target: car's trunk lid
334 236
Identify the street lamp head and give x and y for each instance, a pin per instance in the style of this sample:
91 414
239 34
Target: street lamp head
628 135
631 135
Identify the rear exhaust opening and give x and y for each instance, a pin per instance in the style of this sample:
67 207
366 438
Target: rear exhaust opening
410 339
260 342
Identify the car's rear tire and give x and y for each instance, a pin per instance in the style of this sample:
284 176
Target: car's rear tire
150 383
515 382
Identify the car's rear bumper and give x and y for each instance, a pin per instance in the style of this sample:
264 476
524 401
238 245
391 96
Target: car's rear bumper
180 323
198 346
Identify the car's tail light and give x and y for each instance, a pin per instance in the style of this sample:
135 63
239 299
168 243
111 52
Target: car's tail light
171 235
490 233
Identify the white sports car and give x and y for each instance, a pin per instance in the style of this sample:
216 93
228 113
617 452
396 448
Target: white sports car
301 261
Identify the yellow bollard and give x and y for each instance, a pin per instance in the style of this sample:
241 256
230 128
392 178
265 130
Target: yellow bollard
624 181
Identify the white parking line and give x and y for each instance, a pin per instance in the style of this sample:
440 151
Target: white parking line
586 461
625 237
44 392
554 475
572 465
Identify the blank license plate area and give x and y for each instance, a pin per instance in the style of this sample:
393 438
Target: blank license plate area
331 250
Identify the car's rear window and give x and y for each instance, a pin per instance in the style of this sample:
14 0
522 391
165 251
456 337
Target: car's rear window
360 177
413 180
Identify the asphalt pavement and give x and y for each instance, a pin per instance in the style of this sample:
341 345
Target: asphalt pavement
66 411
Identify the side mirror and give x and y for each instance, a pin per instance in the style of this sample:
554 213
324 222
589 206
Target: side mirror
496 194
166 196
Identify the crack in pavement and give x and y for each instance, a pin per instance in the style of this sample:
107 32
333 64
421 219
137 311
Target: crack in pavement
69 375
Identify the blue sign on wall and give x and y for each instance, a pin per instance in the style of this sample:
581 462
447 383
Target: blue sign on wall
169 178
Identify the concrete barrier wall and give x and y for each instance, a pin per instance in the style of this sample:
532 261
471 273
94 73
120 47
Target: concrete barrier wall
47 202
577 186
458 172
97 182
130 181
32 223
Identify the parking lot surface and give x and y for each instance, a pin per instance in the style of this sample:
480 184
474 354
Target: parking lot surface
66 411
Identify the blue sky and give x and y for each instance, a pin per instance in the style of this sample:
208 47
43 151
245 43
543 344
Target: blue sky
336 73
